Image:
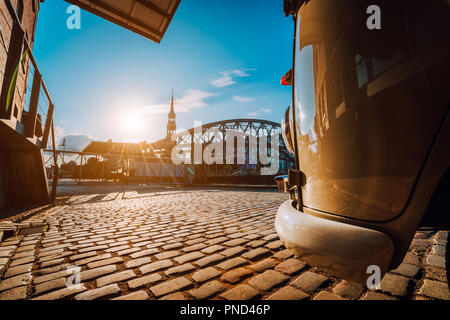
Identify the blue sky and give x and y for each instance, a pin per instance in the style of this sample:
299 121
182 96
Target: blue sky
223 59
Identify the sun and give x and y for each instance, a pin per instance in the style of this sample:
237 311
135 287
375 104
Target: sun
130 122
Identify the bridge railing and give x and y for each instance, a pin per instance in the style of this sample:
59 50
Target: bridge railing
83 166
87 166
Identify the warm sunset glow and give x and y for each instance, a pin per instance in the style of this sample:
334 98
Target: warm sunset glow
130 120
131 123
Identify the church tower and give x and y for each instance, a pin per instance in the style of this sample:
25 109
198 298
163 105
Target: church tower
171 124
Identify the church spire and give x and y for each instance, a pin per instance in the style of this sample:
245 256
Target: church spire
171 124
172 111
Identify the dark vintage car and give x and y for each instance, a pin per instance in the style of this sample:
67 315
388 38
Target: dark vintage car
370 131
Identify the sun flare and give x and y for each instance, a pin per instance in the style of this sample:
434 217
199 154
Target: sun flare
130 122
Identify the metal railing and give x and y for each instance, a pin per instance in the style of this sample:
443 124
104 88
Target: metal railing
37 102
110 166
142 168
38 105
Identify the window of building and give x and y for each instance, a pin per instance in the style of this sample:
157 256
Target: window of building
361 70
370 67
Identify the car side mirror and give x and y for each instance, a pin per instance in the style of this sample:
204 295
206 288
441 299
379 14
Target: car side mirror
286 80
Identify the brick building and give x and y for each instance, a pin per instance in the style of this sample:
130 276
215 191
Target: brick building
25 106
27 13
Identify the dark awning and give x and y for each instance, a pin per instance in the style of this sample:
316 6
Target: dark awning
149 18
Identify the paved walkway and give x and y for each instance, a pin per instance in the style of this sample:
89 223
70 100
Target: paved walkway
195 244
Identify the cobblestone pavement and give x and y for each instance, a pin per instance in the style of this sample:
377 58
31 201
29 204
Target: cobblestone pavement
195 244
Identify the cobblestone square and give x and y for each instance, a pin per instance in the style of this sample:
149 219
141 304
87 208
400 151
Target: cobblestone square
187 244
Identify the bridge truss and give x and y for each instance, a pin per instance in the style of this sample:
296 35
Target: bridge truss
218 133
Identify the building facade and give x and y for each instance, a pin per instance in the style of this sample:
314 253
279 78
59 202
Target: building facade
26 109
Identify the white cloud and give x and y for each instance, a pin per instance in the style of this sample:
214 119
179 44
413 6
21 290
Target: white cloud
59 133
75 142
227 80
224 81
242 72
242 99
259 112
192 99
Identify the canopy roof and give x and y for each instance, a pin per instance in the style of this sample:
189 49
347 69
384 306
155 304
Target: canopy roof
149 18
116 147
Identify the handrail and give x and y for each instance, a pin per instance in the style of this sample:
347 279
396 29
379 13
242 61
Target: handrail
93 154
36 68
28 51
16 19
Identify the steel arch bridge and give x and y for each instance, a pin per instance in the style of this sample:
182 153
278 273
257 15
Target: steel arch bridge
216 132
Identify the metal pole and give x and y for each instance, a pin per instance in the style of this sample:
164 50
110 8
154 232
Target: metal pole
55 170
192 172
81 168
34 100
103 170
